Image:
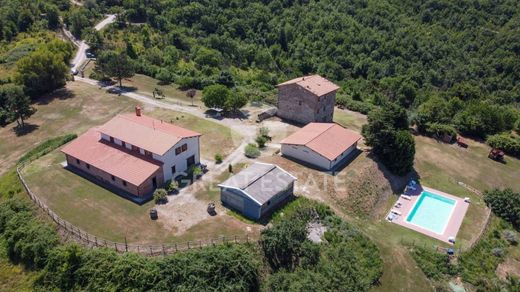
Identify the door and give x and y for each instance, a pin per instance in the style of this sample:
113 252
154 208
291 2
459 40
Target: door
190 161
154 182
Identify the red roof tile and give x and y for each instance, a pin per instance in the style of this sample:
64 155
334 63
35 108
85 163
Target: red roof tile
147 133
327 139
114 160
313 83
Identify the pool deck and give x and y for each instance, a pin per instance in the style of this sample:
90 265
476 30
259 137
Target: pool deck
454 223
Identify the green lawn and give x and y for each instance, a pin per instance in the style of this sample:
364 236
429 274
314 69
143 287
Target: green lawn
215 138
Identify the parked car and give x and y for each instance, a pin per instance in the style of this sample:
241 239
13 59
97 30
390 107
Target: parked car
74 71
153 214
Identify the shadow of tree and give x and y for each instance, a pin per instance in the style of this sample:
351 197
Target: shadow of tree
61 94
27 129
397 183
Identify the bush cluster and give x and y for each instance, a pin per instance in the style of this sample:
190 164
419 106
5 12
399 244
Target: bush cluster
508 143
252 151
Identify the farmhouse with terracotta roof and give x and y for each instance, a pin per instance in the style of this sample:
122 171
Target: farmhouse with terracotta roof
307 99
324 145
134 153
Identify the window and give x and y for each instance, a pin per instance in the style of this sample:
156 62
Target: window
268 203
123 144
124 183
181 149
173 170
148 153
300 102
111 139
88 166
318 111
77 161
113 178
135 148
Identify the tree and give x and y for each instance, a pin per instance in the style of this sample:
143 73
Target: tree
115 64
387 133
191 94
235 101
19 105
505 204
252 151
41 71
261 140
215 96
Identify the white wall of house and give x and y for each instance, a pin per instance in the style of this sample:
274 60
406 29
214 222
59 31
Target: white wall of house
305 154
341 157
170 159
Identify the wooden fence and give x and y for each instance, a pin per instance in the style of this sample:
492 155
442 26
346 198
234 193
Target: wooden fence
71 232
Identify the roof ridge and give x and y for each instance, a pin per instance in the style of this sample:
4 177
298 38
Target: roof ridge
331 125
260 176
153 125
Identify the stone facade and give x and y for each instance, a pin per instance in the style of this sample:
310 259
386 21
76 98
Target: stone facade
297 104
145 189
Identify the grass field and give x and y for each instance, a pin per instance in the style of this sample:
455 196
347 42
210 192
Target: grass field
100 212
79 106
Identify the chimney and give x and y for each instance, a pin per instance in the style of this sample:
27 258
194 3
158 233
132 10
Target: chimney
138 111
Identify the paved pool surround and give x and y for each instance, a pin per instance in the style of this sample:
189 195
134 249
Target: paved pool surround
454 222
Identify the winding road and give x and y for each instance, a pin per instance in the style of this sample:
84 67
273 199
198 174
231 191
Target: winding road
81 56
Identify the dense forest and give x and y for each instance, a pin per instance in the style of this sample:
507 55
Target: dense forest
454 65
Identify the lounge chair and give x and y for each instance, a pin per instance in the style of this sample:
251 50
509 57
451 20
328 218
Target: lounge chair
396 212
406 197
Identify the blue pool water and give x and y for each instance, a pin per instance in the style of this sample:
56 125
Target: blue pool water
432 212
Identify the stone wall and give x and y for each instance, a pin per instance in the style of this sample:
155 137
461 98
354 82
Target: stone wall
301 106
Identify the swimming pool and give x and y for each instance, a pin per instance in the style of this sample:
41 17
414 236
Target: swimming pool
432 212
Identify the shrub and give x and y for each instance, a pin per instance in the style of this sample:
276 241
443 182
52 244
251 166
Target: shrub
195 171
511 237
252 151
439 130
264 131
218 158
47 147
160 196
171 185
505 204
354 105
261 141
508 143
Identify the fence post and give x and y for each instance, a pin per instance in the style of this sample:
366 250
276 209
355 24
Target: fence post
200 244
235 239
138 249
247 238
115 246
95 239
188 245
163 251
106 244
151 252
176 250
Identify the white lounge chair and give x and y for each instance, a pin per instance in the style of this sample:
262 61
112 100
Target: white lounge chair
406 197
396 212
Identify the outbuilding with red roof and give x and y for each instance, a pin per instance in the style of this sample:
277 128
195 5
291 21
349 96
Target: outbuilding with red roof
324 145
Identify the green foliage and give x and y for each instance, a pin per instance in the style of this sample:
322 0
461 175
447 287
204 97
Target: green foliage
216 96
44 70
387 132
439 130
47 147
14 104
508 143
478 265
218 158
171 186
482 119
252 151
79 19
160 196
505 204
347 261
235 101
363 107
10 185
435 265
261 141
264 131
115 64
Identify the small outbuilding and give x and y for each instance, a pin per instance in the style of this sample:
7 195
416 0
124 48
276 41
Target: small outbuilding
324 145
257 190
